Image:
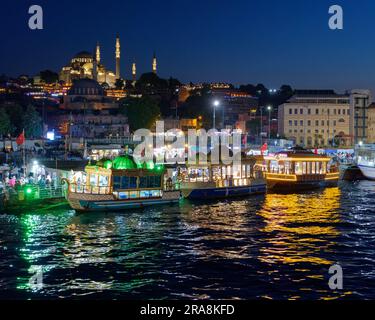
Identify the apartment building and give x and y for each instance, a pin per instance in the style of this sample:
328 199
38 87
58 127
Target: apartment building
316 118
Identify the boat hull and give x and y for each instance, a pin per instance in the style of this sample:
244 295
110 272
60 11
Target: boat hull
222 193
297 186
367 171
81 202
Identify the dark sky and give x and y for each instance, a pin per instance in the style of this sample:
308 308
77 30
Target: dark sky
274 42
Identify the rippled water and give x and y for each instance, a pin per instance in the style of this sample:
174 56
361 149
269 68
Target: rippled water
273 246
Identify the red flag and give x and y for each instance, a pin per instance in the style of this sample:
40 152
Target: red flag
316 151
21 138
264 148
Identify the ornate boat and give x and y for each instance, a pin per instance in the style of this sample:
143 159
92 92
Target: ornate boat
215 181
298 169
121 184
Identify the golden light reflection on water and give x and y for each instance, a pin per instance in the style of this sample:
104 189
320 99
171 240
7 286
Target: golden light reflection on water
300 227
282 241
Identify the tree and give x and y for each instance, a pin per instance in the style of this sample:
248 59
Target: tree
15 112
254 126
119 84
32 122
150 81
5 125
49 76
141 113
200 105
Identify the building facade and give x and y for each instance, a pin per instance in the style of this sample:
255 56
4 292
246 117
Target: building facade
371 124
316 118
359 104
232 103
87 94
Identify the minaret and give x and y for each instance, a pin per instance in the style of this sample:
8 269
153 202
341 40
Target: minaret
95 64
134 71
154 64
98 53
118 57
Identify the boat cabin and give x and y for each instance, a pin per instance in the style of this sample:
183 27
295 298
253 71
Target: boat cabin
123 179
299 165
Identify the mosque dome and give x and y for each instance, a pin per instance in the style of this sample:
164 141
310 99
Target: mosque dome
124 162
86 87
83 54
83 57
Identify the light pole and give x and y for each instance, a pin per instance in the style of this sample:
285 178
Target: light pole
216 104
269 108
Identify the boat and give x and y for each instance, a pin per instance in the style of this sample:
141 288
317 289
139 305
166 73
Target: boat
352 173
365 160
220 181
121 184
298 169
31 197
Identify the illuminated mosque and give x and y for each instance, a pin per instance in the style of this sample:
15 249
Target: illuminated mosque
88 65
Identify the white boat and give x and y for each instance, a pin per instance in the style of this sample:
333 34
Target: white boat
365 160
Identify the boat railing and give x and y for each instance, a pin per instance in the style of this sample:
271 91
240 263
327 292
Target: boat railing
89 189
172 187
34 192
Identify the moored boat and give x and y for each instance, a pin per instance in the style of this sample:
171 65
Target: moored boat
218 181
121 184
365 160
298 169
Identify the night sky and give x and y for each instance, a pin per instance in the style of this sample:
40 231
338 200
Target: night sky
241 41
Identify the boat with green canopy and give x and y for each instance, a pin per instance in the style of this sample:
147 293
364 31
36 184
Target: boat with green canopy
120 184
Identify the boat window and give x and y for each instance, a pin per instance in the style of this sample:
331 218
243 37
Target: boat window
123 195
199 174
298 168
223 172
124 182
154 182
236 171
93 179
313 168
133 194
248 171
229 170
116 182
143 182
150 193
304 167
129 183
288 167
216 174
318 168
324 168
274 166
103 181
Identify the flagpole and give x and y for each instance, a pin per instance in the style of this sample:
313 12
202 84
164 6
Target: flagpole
24 153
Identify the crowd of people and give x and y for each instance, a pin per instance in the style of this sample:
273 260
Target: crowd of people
14 178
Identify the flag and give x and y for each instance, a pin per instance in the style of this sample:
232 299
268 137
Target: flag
21 138
264 148
316 151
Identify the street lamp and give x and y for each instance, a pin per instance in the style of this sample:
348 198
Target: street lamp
269 108
216 104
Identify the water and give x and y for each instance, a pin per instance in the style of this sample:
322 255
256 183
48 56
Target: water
271 247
